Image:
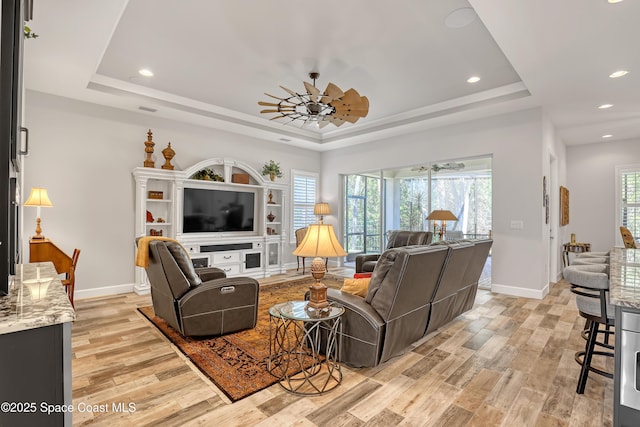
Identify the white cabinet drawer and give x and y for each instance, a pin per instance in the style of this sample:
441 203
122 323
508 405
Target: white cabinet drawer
230 269
225 258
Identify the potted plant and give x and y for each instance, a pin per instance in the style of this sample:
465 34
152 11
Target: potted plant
207 174
272 169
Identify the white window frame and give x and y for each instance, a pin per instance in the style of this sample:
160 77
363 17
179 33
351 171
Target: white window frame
620 170
310 205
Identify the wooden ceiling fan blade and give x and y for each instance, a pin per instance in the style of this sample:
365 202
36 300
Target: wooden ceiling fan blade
364 105
268 104
312 91
277 111
351 96
336 121
333 91
276 97
351 113
292 93
350 119
323 123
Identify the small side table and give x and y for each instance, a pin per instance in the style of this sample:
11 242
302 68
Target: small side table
575 248
296 338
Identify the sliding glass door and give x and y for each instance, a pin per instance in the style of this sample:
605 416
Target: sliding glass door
362 214
402 198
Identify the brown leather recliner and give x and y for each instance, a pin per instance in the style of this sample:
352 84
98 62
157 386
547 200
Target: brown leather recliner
198 302
397 238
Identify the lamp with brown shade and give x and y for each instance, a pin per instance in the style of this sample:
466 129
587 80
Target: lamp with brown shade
443 216
319 242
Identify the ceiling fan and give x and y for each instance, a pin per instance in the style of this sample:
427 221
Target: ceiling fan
331 106
436 167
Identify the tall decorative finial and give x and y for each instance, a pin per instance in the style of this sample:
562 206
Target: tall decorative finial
148 148
168 154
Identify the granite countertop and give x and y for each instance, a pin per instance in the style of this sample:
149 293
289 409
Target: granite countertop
36 299
624 277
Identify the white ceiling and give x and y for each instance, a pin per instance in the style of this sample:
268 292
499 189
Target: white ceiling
213 61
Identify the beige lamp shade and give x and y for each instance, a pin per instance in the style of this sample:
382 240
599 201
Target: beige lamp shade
321 209
441 215
320 241
38 197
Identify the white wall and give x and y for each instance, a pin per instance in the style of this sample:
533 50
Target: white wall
84 154
554 169
591 184
516 142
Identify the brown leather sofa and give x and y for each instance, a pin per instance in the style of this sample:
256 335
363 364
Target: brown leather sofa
397 238
413 291
198 302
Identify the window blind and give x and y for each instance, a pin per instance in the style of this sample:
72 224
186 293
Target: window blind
304 189
630 201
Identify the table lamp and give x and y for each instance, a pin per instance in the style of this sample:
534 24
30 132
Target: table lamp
319 242
321 209
38 198
443 216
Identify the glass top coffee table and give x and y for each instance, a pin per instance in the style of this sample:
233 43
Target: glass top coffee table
305 347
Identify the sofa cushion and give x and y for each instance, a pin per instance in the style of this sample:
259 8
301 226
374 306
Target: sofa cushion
368 266
383 266
184 262
400 238
357 287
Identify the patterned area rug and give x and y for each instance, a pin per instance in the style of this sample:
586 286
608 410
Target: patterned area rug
237 363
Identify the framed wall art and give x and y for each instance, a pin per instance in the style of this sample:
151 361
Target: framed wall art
564 206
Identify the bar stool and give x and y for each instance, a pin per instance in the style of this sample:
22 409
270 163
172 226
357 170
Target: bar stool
587 260
593 254
590 283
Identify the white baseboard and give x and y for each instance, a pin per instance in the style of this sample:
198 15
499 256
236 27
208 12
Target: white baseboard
104 291
520 292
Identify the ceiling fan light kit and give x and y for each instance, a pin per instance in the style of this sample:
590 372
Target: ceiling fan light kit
331 106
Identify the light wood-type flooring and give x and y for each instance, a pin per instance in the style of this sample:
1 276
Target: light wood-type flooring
507 362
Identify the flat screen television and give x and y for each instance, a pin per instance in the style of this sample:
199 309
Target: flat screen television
218 211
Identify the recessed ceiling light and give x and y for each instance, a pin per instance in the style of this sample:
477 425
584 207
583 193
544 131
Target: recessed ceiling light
618 73
145 72
605 106
460 17
473 79
607 135
614 1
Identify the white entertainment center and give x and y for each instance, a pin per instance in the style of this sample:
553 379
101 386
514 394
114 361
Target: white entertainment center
255 252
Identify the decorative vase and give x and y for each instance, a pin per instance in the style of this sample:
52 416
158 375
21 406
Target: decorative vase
168 154
271 202
271 217
148 148
272 176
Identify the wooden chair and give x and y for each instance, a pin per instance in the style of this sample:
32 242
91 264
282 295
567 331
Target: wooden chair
69 282
300 233
627 238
